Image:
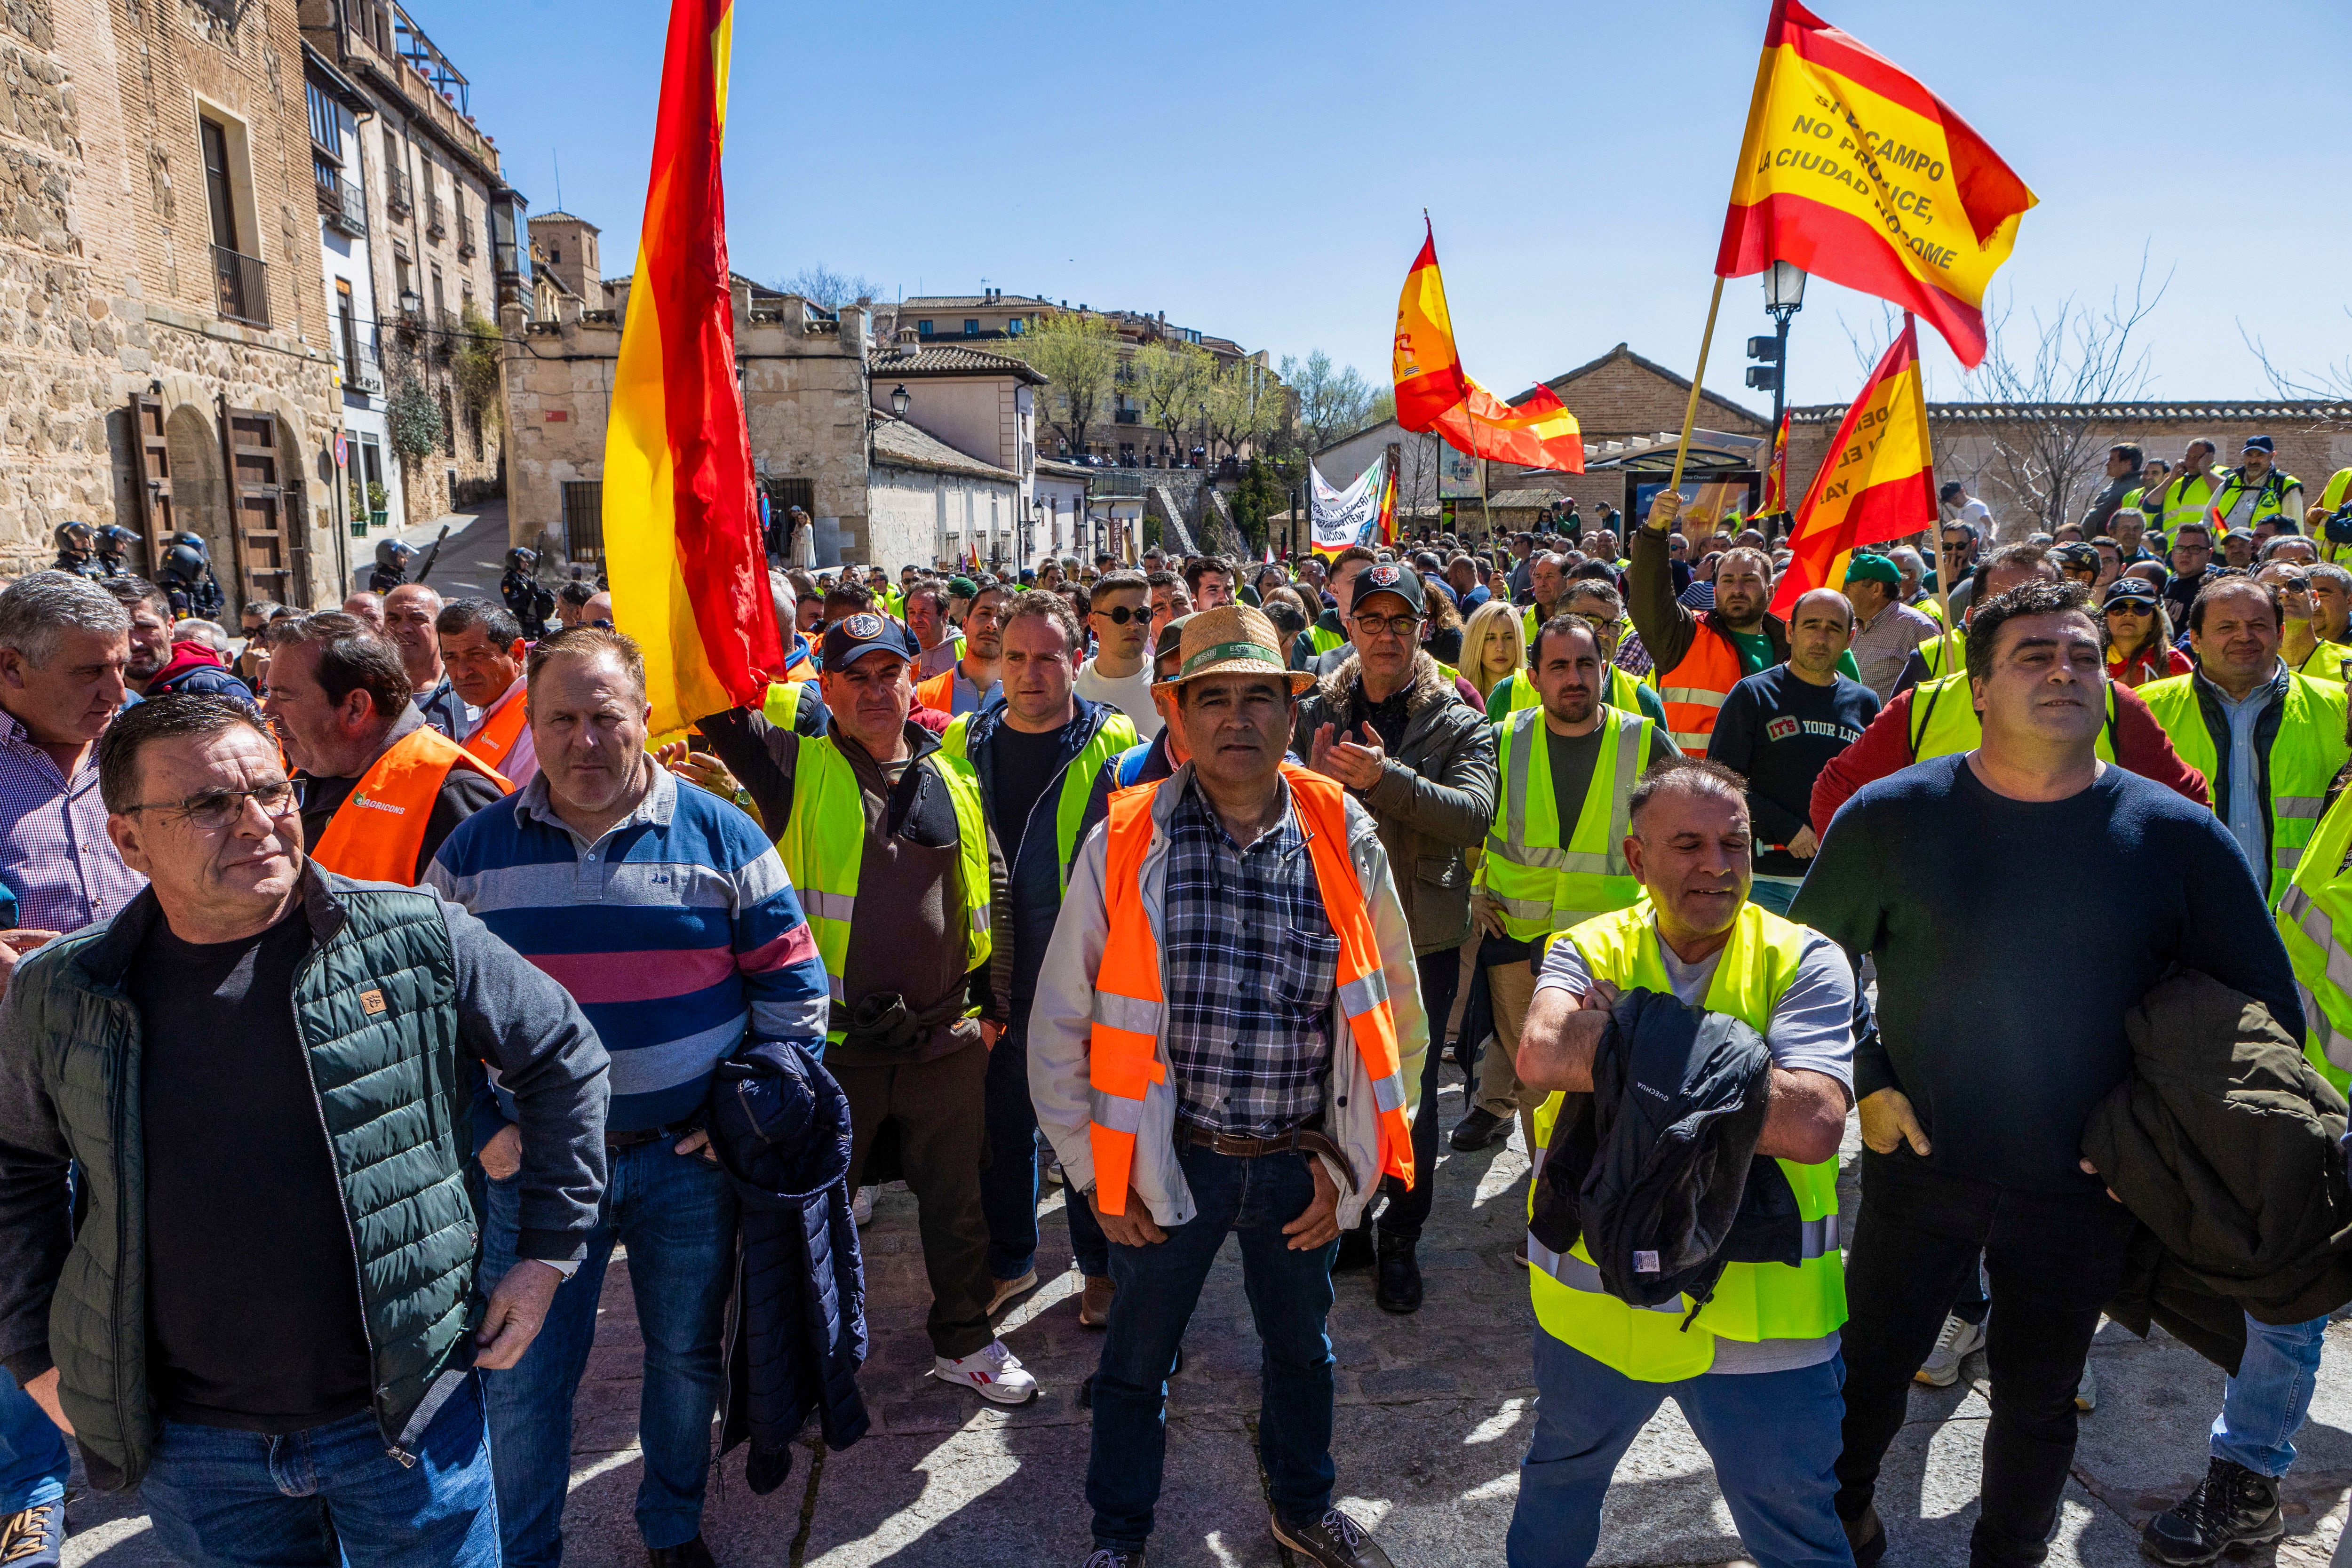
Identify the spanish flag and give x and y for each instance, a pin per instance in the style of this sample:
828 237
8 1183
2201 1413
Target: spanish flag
1429 377
1877 483
1776 474
1540 433
681 527
1852 169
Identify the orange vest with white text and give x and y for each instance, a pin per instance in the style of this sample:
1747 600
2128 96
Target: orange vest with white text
380 827
1694 690
1123 1055
492 741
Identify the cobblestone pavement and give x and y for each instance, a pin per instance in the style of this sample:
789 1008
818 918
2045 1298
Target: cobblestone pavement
1434 1410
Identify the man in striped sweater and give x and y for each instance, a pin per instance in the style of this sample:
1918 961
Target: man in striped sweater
667 915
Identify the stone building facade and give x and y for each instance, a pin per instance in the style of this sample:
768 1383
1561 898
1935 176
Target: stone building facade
163 359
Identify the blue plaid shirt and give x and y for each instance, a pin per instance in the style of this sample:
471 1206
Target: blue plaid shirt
1253 967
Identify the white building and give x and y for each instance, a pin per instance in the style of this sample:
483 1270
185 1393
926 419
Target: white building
369 488
930 504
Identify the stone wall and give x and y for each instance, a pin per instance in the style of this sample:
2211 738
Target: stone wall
106 279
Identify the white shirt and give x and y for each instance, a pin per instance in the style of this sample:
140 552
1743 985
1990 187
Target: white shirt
1130 695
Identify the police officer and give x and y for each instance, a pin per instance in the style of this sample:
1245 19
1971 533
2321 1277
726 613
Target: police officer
391 569
527 600
114 542
187 577
76 550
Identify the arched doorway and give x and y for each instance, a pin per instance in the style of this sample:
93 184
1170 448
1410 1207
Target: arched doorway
199 496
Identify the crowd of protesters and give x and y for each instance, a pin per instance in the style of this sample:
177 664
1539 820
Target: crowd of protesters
368 981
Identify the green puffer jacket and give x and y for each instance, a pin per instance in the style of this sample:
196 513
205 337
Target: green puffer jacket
375 1003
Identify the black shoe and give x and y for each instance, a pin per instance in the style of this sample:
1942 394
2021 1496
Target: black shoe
33 1537
1114 1557
1355 1249
684 1554
2232 1507
1398 1287
1335 1541
1867 1536
1481 1128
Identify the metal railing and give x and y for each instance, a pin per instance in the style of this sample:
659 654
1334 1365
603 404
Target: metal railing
398 198
244 286
434 226
1127 415
343 204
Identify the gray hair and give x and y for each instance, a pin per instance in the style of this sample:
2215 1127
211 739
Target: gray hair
1595 589
1903 555
2328 571
36 610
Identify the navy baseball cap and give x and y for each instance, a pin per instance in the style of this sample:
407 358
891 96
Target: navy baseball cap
2257 444
1387 577
852 638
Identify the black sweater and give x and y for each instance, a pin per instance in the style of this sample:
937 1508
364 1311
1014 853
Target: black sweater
1779 731
2011 938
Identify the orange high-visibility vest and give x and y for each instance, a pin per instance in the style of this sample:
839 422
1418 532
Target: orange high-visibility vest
1694 690
492 741
1123 1055
380 827
800 667
939 691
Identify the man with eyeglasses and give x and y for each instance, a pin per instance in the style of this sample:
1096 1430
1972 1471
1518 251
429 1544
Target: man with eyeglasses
967 684
2192 568
1389 726
279 1255
1120 621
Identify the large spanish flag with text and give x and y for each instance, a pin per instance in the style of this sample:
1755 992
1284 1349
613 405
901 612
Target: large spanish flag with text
681 527
1876 483
1853 171
1428 371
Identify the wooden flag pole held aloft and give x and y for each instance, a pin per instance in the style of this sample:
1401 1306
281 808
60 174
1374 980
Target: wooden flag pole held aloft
1698 379
1486 517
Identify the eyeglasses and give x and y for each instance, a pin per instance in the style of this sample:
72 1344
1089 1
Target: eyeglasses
1120 614
1395 625
218 808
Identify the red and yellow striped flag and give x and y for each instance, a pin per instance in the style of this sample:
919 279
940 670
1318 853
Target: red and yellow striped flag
1851 169
1877 483
681 527
1539 433
1428 371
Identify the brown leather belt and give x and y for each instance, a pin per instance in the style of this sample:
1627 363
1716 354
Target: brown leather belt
1298 1140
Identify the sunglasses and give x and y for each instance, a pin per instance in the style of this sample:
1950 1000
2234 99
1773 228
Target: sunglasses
2130 607
1118 616
218 808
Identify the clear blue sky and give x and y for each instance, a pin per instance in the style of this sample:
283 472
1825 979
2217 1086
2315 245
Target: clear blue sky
1258 169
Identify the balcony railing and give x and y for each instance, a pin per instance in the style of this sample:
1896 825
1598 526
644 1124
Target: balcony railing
398 199
1127 415
343 205
447 330
244 286
434 226
465 237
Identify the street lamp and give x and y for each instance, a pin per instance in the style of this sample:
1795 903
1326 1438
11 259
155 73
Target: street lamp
1784 296
898 393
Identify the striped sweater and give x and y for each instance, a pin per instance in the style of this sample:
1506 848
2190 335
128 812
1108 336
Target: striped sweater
677 932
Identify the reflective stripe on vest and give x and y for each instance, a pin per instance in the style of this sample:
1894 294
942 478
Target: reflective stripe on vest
377 832
1944 719
2317 902
1123 1057
498 730
1752 1302
1541 886
1114 735
781 706
824 846
2306 753
2269 497
1694 688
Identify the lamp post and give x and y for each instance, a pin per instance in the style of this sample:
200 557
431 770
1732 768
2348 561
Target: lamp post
1784 296
899 398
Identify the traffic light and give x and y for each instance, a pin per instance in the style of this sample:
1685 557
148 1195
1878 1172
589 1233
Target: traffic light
1766 376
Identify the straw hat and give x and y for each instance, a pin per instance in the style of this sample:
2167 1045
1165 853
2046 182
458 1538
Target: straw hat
1232 639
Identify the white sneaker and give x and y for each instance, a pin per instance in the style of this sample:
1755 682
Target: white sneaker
1009 1291
992 1371
2086 1391
861 1207
1942 1367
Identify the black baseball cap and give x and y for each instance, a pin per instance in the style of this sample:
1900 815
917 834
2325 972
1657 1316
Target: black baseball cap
2138 588
1387 577
852 638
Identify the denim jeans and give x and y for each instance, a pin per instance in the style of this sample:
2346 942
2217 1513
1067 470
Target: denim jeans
331 1495
675 1214
1290 1301
1008 1181
34 1463
1404 1211
2263 1407
1773 1436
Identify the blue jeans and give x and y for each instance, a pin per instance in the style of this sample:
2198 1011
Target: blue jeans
1773 1436
676 1213
1008 1182
34 1463
1290 1300
2263 1407
331 1495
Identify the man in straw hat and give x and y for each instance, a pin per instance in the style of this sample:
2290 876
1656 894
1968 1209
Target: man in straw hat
1227 1037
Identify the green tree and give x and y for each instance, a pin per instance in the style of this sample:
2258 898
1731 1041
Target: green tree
413 415
474 366
1247 404
1169 380
1256 499
1079 357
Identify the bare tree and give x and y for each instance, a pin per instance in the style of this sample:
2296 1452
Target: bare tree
2330 383
1419 464
2053 379
1332 400
822 287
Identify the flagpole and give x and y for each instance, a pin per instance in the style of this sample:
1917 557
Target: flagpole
1486 517
1690 409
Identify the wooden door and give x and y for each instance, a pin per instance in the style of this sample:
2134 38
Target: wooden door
157 520
256 507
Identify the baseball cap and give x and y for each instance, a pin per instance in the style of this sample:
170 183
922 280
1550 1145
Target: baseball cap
852 638
962 588
2257 444
1877 568
2137 588
1387 577
1171 637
